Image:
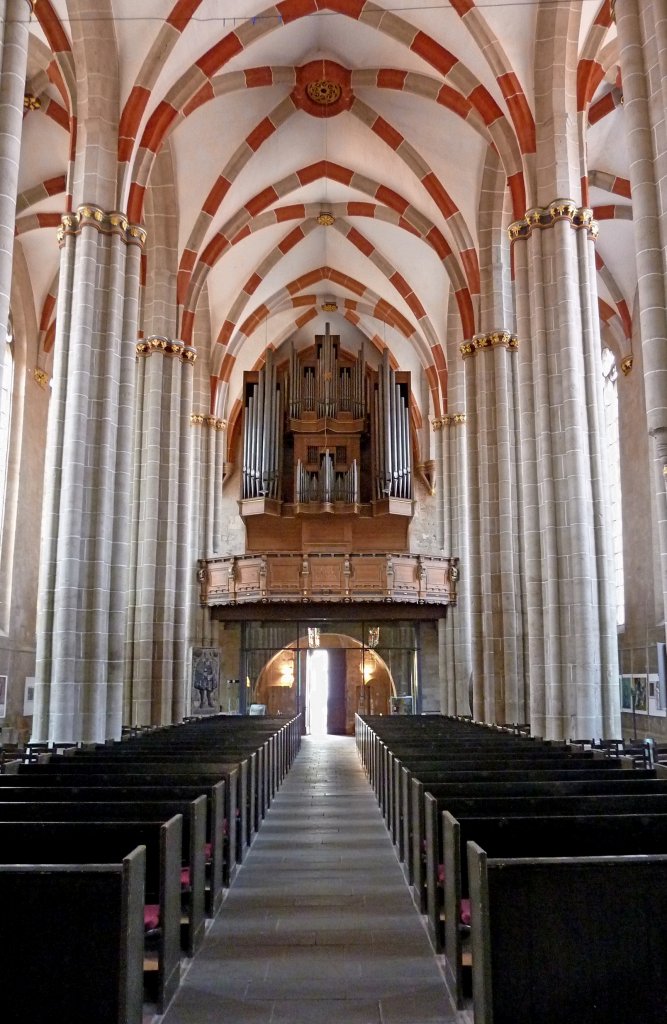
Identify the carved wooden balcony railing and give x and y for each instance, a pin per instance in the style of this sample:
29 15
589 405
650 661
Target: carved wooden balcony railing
349 578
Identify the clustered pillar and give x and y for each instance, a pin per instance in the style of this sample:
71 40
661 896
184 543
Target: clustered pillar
160 563
642 35
84 564
454 631
496 591
571 622
14 21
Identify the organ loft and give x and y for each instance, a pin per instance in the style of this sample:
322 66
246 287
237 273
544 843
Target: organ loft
327 450
327 445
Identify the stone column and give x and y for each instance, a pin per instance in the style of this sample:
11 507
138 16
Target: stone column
571 622
14 21
161 559
209 448
642 35
82 604
496 563
209 453
454 630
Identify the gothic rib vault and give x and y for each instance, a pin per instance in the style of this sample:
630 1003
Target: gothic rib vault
455 182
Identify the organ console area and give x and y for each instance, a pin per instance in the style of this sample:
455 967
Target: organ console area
327 452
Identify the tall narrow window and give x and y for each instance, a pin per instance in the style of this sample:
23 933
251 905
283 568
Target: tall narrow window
5 421
610 390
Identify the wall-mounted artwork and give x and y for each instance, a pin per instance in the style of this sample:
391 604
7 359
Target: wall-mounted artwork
626 693
29 696
3 696
640 692
205 680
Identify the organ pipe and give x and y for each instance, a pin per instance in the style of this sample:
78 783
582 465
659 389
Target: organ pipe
330 390
391 426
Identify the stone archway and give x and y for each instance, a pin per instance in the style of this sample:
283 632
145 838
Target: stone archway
361 681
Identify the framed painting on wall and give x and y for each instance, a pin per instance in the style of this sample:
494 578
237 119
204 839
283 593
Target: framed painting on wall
640 693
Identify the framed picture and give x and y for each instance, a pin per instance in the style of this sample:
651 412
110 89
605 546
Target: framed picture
205 680
3 696
654 702
626 693
640 693
29 696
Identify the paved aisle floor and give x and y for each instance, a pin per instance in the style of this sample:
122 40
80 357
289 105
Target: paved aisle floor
319 926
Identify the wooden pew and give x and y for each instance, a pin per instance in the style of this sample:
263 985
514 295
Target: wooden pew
414 819
23 788
171 760
102 842
491 762
411 800
68 772
180 740
568 939
192 848
49 969
518 807
576 836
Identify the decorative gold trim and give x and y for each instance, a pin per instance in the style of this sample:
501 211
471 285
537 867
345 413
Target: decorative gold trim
546 217
169 346
449 420
323 92
495 339
31 102
215 423
107 223
626 364
198 419
40 377
325 219
329 307
156 343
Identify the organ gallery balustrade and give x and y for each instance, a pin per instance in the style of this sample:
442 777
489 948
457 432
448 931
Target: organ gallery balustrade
244 579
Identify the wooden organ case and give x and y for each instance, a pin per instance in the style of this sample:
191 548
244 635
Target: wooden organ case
327 453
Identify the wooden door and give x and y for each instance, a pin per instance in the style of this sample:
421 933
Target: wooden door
336 700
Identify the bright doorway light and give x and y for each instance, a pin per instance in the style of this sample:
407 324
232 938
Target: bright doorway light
317 684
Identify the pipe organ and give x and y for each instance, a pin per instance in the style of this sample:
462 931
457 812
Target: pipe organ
262 434
326 448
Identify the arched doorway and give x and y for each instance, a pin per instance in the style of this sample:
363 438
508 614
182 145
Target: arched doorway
350 678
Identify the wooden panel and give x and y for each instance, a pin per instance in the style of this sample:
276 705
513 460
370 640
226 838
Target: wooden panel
326 533
283 575
248 576
369 575
405 578
437 577
326 576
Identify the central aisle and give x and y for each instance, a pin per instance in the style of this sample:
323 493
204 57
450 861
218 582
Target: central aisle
319 926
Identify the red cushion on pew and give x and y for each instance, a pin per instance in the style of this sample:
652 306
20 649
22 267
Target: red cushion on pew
441 874
464 912
151 916
208 850
185 877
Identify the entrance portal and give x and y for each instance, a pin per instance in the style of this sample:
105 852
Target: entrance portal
329 676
